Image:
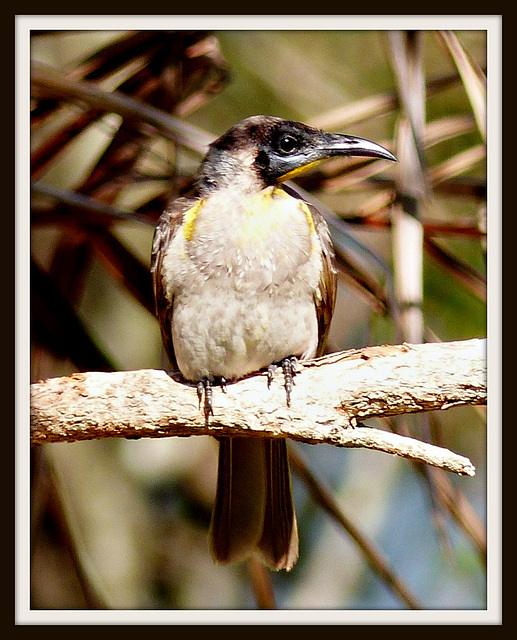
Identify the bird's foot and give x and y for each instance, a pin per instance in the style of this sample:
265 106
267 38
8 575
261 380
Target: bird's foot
289 369
204 395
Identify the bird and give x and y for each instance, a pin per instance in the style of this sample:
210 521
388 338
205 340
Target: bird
244 280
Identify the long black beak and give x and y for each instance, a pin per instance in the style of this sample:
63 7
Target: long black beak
336 144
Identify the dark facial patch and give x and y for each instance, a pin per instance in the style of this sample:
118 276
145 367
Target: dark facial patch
262 160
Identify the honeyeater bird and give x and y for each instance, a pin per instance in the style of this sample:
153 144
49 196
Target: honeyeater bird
244 280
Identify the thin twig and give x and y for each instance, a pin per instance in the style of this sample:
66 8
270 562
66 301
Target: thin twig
260 578
323 496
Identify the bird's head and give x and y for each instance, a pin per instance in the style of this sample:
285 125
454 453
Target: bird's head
261 151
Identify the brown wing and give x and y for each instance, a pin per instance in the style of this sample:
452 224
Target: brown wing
325 296
168 225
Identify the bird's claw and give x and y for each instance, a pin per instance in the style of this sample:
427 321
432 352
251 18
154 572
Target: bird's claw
204 394
289 370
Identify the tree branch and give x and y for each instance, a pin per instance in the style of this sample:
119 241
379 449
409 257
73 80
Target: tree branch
332 394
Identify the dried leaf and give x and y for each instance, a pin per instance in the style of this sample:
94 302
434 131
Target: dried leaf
472 76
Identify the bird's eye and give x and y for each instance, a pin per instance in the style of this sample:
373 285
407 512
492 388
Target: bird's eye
287 144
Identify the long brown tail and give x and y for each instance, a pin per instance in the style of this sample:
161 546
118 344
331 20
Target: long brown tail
279 541
253 507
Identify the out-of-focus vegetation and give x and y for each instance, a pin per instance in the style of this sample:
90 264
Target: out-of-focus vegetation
122 524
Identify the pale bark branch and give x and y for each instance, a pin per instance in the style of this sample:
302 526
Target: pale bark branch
331 396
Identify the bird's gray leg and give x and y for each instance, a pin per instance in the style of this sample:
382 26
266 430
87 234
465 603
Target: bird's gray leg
289 369
204 393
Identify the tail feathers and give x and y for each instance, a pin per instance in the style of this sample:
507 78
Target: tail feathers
279 541
253 508
238 514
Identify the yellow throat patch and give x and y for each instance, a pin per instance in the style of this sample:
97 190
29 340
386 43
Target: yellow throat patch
263 216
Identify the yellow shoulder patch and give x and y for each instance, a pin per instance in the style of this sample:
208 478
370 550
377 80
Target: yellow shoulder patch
189 220
308 215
